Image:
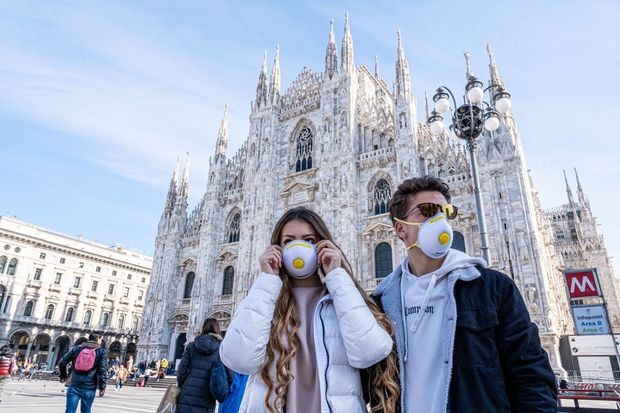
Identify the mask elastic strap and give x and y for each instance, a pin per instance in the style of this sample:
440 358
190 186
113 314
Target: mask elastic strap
415 244
409 223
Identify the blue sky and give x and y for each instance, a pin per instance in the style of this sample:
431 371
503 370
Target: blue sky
97 99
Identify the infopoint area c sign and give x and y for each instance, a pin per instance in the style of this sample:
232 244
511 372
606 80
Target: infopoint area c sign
591 319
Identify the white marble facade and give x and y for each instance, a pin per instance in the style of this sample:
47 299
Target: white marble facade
339 141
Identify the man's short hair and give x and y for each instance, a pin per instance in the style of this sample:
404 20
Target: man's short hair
93 337
400 200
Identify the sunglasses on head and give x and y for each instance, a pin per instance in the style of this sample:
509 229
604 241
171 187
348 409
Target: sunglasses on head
429 209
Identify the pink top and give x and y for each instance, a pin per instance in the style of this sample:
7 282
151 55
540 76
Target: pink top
304 391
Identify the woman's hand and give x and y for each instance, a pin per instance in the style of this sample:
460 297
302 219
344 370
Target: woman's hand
271 260
329 256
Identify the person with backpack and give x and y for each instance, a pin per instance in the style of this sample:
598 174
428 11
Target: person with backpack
88 373
202 377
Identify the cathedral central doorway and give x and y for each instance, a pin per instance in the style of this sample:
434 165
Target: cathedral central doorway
180 346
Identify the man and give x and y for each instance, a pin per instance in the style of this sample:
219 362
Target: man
89 364
464 337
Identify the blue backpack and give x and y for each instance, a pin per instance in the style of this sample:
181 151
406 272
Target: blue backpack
218 384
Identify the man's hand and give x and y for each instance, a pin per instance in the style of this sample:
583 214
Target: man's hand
101 393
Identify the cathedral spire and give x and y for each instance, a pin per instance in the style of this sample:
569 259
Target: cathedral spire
275 78
348 63
222 135
583 202
403 79
427 111
377 66
262 90
468 73
172 190
331 54
569 193
184 190
579 188
495 77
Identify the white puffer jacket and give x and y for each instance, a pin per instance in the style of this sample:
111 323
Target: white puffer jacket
347 338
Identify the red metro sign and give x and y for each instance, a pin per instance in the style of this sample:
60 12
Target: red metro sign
582 283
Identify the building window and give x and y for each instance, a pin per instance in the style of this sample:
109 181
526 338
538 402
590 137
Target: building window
58 278
2 263
28 309
87 317
140 294
126 292
94 286
98 269
81 265
69 316
37 274
459 241
113 272
42 256
49 313
121 321
234 228
7 247
2 294
12 267
76 282
129 276
111 289
143 280
383 260
136 323
104 319
381 197
62 260
229 277
303 156
189 284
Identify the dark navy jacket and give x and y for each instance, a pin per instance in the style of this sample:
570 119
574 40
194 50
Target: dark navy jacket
194 374
498 364
95 378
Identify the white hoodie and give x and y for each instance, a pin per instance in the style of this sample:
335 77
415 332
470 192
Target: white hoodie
424 301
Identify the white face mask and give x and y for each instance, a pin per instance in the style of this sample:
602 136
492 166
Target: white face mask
434 237
300 259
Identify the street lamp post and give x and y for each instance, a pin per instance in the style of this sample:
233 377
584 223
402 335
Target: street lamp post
468 122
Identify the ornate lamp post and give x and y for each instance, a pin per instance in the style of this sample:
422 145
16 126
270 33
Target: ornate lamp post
468 122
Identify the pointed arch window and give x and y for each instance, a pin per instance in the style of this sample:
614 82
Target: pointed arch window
2 294
559 233
189 284
229 278
69 315
459 241
12 267
2 263
88 316
49 313
381 197
303 156
28 309
234 228
383 260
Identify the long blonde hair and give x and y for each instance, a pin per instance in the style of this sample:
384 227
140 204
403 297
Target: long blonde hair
383 381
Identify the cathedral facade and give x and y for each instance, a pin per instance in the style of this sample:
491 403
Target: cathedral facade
339 141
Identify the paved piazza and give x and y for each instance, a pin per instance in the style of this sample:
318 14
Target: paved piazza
49 397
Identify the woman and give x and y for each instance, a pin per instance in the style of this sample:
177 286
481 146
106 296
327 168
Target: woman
121 377
304 331
194 373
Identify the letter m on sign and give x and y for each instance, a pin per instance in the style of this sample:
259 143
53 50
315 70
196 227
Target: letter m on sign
582 283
